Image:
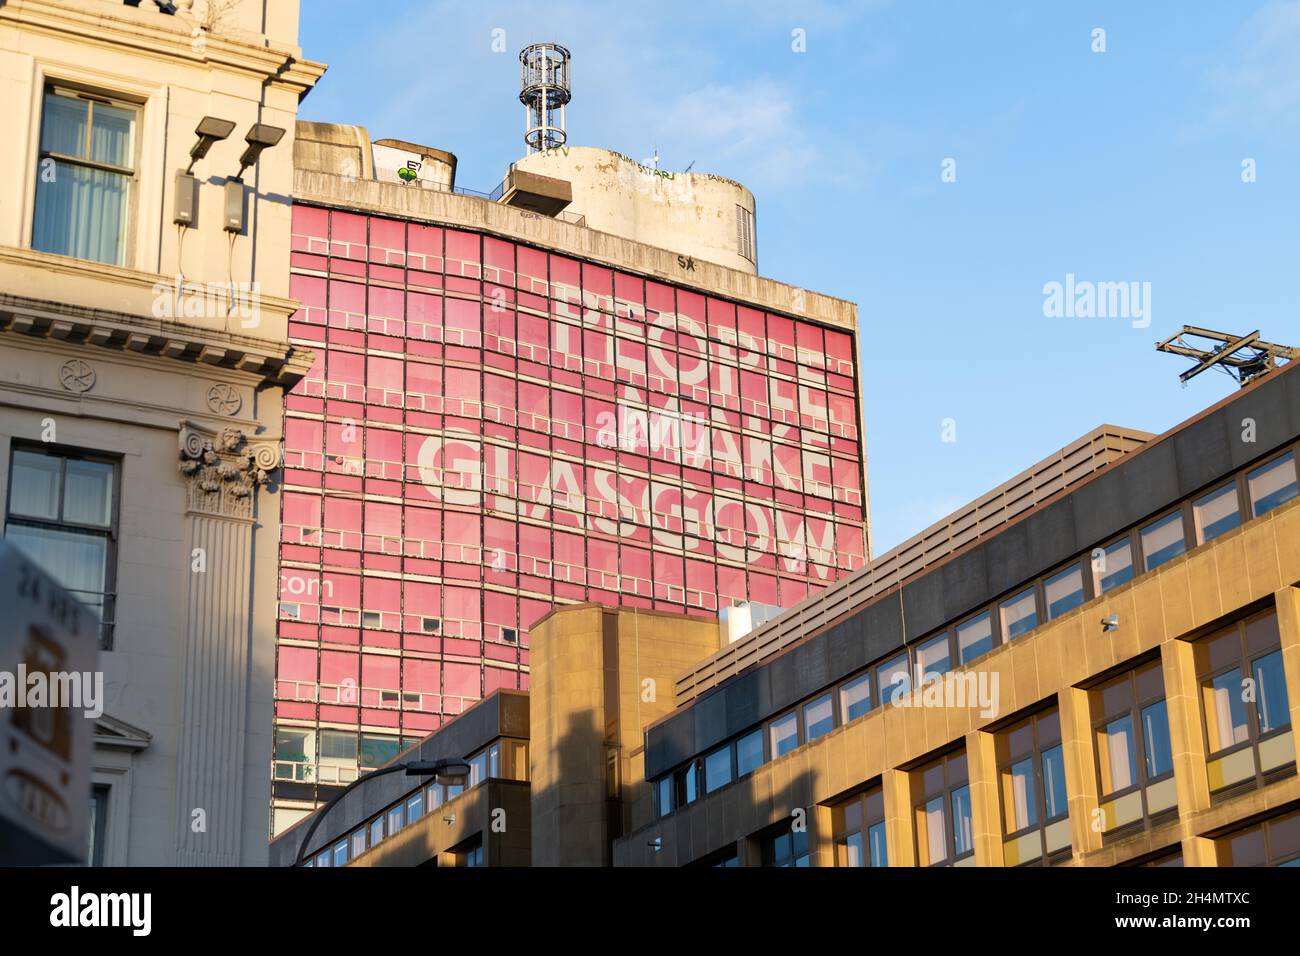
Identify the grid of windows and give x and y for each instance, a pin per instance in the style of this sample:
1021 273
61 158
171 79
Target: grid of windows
490 429
504 759
1259 490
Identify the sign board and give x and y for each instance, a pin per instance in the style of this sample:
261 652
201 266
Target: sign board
49 651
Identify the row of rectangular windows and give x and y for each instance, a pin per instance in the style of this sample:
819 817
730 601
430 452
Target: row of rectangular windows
1257 490
485 765
1133 765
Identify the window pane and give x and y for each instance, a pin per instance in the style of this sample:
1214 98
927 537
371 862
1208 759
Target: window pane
975 637
88 492
77 561
879 849
855 697
34 485
819 717
477 768
376 830
932 659
110 135
749 753
1064 592
1019 615
853 855
1019 802
1113 566
688 784
894 679
377 751
1225 713
1054 794
1272 484
785 735
338 744
1163 540
664 787
963 837
1271 702
1159 748
1216 513
81 212
1119 756
717 769
932 835
63 128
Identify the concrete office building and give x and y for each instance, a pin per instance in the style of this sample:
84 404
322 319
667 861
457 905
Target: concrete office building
1095 664
575 388
141 415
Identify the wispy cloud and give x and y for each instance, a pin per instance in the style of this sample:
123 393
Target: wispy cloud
1260 89
640 83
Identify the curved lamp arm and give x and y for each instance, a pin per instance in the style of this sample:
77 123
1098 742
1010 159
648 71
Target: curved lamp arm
449 768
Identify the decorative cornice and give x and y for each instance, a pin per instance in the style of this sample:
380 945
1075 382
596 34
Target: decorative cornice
280 365
223 470
168 37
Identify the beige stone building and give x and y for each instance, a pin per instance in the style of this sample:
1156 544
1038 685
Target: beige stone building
1095 664
143 360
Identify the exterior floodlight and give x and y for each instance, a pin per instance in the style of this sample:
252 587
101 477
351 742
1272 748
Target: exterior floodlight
185 207
449 770
210 130
260 137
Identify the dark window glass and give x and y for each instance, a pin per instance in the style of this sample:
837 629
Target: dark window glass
855 697
717 769
975 637
819 717
749 753
1272 484
785 734
1163 540
1112 566
1063 591
61 516
1216 513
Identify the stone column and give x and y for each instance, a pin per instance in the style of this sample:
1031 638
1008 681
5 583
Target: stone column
986 819
1287 601
1080 770
222 473
900 828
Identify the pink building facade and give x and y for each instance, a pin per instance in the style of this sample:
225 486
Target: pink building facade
491 428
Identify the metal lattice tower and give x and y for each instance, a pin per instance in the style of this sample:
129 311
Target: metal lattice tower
544 90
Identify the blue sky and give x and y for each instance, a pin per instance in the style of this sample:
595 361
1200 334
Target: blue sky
1121 166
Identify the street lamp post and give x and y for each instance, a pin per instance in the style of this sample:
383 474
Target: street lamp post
451 770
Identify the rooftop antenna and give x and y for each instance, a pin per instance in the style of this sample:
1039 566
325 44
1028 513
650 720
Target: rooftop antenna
1244 357
544 90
